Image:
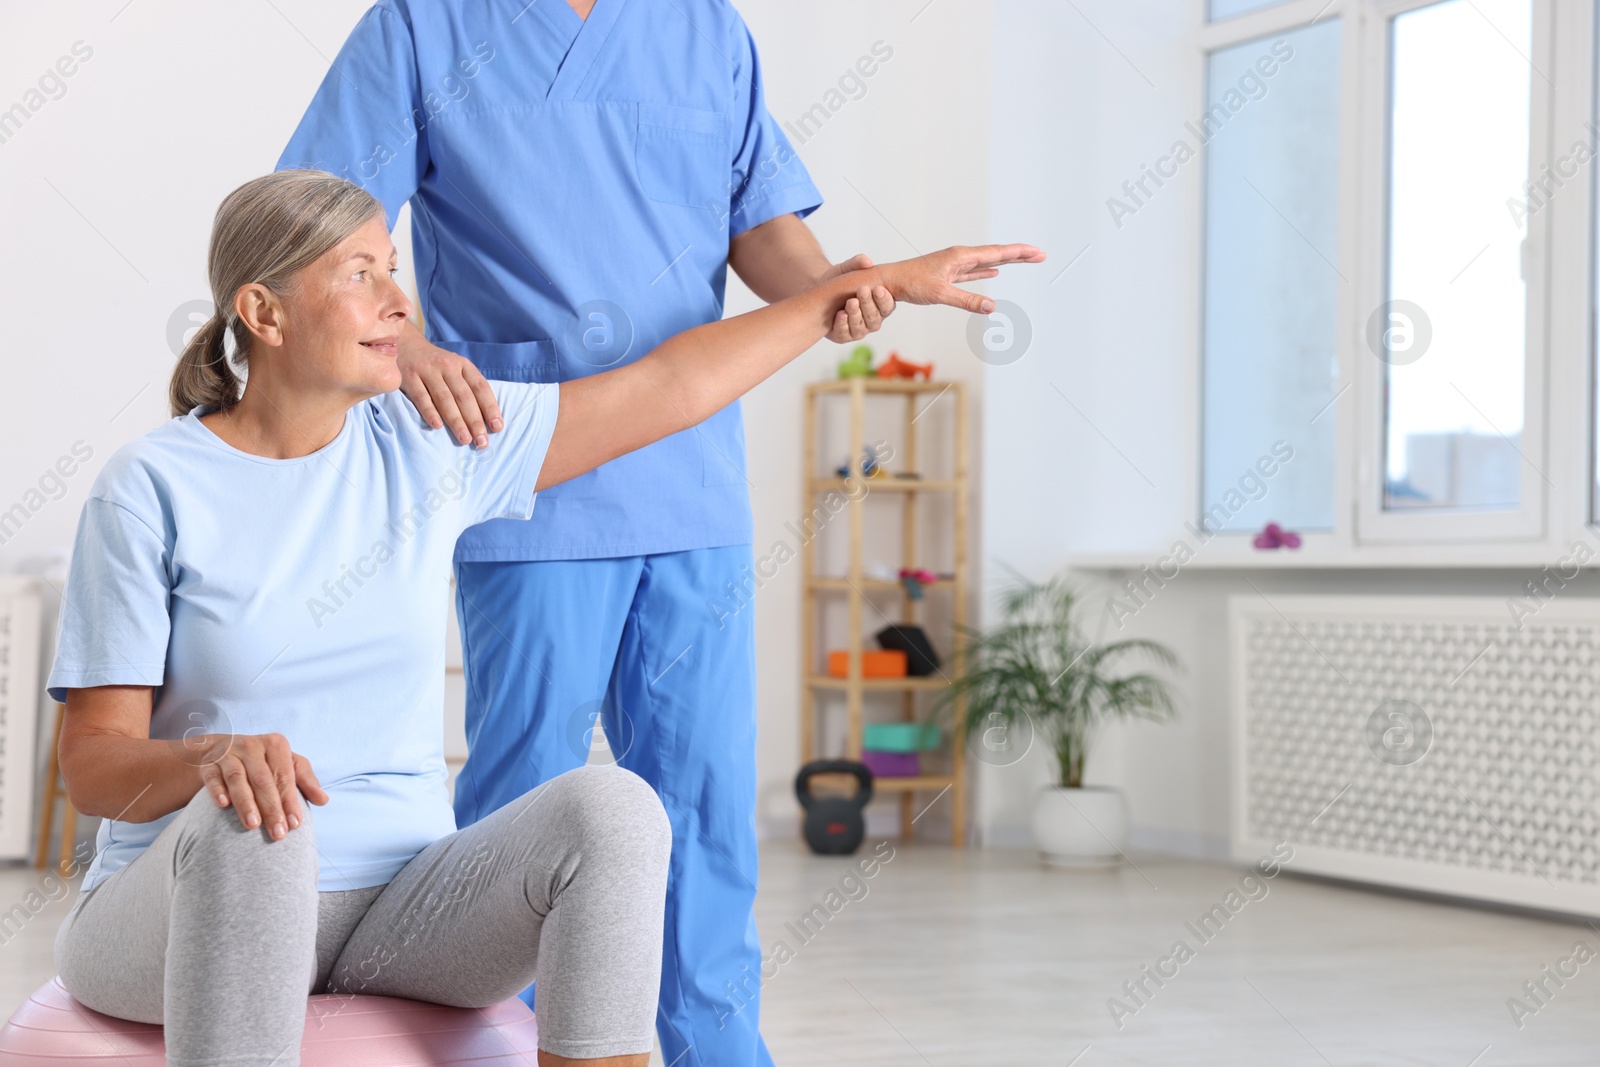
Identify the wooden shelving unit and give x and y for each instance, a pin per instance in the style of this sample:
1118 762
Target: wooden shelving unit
855 585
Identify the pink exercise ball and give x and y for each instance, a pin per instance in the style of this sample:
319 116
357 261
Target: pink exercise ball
53 1030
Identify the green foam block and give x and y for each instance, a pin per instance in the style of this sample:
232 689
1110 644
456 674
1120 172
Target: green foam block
900 736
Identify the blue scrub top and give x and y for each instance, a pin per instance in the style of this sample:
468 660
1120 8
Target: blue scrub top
574 184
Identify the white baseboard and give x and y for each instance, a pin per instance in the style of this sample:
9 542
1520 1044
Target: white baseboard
1187 844
1209 848
880 824
1212 848
1005 835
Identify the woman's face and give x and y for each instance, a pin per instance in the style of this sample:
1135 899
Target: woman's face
343 319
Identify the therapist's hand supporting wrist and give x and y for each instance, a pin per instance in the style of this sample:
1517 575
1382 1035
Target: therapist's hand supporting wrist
864 312
782 258
446 389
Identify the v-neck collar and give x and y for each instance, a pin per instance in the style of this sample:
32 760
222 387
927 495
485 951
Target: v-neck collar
561 17
588 38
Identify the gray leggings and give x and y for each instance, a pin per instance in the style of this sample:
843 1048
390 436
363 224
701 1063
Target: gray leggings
219 932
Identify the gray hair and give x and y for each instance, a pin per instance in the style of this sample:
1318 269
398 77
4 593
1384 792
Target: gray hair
265 232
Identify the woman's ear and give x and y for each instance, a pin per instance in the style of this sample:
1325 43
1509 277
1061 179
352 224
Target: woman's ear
261 312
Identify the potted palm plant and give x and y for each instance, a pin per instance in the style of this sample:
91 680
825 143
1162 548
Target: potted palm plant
1036 674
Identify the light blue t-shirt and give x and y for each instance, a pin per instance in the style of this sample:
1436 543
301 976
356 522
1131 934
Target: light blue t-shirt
306 597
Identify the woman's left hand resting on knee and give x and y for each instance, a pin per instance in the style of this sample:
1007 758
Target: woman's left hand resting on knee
114 769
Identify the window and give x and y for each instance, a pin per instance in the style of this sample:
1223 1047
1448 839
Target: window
1271 284
1391 284
1227 9
1453 326
1453 445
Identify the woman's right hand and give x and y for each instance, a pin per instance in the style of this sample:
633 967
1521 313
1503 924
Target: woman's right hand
261 778
931 279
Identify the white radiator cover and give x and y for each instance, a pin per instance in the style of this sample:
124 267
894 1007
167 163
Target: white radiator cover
1500 805
19 711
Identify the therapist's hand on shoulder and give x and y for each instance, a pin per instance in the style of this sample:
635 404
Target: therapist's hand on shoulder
261 778
447 390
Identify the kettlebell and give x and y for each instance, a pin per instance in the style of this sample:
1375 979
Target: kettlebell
834 826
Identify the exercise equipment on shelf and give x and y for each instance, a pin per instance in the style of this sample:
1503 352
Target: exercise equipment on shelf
891 764
869 466
915 580
912 641
834 825
858 364
893 749
925 482
895 367
900 736
875 663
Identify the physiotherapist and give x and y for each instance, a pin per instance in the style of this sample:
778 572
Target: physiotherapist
582 174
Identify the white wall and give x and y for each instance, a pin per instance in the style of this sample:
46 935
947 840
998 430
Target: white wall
107 193
1086 445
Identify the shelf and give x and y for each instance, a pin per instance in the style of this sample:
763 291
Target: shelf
824 593
912 783
844 585
1237 555
880 385
887 485
886 685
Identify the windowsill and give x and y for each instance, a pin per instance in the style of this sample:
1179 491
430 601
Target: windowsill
1235 553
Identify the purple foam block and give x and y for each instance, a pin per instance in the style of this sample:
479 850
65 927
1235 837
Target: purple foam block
890 764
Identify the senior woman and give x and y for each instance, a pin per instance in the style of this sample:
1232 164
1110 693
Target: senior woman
253 629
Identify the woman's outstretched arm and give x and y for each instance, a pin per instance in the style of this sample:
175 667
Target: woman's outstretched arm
690 377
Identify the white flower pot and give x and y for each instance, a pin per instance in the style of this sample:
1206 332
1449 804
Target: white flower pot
1083 827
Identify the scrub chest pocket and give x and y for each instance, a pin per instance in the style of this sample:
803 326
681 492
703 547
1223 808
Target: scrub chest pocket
518 361
682 156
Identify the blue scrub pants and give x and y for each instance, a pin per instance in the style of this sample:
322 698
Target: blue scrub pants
648 645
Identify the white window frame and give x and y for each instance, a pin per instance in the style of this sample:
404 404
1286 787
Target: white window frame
1374 523
1557 437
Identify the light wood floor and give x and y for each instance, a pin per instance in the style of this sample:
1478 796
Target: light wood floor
985 957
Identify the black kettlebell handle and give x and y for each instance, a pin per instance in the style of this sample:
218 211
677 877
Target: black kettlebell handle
863 775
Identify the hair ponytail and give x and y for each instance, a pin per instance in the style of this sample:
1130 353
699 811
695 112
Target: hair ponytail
203 374
265 232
